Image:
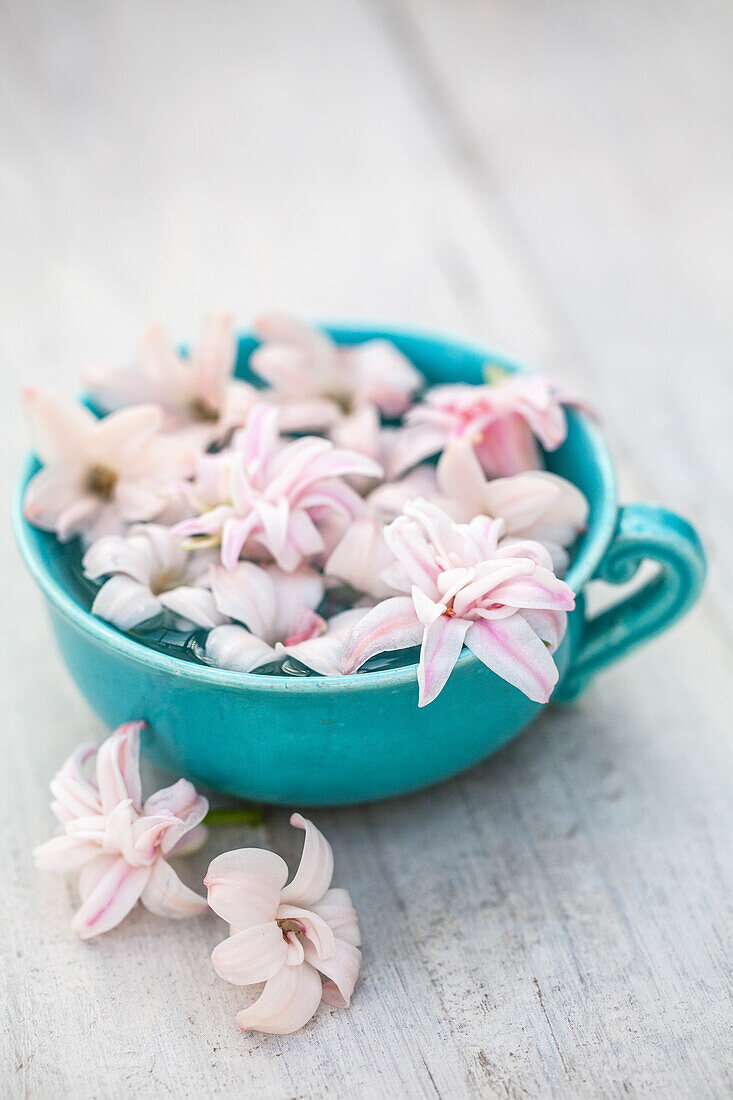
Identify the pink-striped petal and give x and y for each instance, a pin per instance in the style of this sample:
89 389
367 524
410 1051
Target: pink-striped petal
244 886
253 955
441 648
118 767
183 801
389 626
288 1001
166 896
315 869
92 874
72 789
511 649
111 900
65 853
541 590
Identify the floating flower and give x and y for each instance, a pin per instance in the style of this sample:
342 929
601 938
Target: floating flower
278 610
285 935
535 505
98 475
195 390
270 493
323 385
117 843
150 573
503 420
361 555
501 600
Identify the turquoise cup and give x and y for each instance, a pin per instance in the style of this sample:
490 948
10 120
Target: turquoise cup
318 741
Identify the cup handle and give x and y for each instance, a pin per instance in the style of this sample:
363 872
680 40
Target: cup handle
644 532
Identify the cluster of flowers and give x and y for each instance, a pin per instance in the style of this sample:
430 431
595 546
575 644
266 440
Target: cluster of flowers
223 505
118 847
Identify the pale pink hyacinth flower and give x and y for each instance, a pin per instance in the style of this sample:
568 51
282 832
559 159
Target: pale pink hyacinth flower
149 573
196 391
501 599
98 475
285 936
361 555
536 505
504 421
324 386
267 492
118 844
278 610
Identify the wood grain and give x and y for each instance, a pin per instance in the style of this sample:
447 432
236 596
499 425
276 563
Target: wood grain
555 179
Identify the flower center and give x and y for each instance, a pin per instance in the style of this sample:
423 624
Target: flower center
163 582
202 412
101 481
289 925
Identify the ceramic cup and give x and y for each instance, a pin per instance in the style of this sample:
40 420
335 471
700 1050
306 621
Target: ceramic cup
315 741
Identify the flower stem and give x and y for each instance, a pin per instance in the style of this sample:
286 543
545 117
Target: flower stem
235 815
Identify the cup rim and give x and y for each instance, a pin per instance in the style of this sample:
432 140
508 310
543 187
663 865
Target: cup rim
595 542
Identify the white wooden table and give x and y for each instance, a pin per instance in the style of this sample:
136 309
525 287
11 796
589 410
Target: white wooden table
554 178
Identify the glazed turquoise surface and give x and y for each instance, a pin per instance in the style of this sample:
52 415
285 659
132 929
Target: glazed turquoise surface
324 741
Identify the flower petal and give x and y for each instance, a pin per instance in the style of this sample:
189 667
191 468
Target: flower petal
342 968
441 648
193 603
76 794
235 648
52 494
248 594
511 649
118 767
315 928
111 900
254 955
315 869
166 896
125 603
286 1004
184 802
60 427
244 886
390 625
323 654
65 853
336 909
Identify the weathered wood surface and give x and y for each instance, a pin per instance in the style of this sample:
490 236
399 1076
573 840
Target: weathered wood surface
554 178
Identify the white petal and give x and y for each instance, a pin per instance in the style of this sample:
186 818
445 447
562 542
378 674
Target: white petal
247 594
125 603
315 870
184 802
244 886
511 649
193 603
235 648
316 930
254 955
286 1004
166 896
336 909
342 968
60 427
118 767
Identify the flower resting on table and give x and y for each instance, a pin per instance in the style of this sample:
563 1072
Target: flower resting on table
285 935
99 475
118 844
471 586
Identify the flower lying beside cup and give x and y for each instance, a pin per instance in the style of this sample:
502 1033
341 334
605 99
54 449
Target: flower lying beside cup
338 514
